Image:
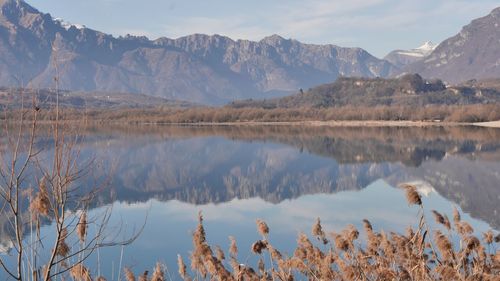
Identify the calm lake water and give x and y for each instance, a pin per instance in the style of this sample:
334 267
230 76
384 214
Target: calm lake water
161 177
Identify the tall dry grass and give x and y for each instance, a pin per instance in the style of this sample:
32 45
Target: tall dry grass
449 252
452 250
227 114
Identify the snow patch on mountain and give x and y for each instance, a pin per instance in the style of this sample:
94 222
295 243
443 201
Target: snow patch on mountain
419 52
401 58
67 25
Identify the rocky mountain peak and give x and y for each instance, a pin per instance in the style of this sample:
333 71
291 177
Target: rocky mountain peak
19 8
10 2
496 12
275 40
15 14
473 53
428 47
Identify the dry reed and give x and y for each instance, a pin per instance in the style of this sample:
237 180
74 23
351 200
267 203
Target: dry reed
158 274
81 230
40 205
129 275
448 252
80 273
419 254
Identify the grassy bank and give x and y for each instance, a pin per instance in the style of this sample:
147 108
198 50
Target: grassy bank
348 115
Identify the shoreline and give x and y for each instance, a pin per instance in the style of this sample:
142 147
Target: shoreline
354 123
332 123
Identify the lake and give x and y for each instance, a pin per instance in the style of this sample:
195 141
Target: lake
158 178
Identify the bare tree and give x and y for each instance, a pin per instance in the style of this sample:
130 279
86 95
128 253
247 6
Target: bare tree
41 184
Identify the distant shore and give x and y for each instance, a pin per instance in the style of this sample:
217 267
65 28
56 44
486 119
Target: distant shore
351 116
311 123
335 123
332 123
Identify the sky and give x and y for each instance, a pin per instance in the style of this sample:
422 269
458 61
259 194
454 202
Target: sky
378 26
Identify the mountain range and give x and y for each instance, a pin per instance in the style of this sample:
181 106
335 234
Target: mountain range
35 48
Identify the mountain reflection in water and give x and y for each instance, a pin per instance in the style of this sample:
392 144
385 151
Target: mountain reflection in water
203 165
288 174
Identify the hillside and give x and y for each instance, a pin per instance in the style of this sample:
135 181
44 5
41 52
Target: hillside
408 90
45 99
474 53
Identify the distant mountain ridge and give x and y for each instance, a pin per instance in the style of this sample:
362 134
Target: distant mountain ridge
35 48
199 68
401 58
474 53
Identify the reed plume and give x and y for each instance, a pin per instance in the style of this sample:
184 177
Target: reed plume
158 274
220 253
233 248
182 267
262 228
412 195
413 255
80 273
444 245
129 275
62 248
317 230
40 205
488 237
144 276
441 219
259 246
81 230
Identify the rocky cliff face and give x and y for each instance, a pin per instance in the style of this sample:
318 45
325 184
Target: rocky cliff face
474 53
35 48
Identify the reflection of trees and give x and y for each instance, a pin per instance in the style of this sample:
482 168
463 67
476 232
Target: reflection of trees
203 165
196 165
410 145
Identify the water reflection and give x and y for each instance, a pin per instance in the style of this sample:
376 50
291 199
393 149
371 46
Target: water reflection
286 175
216 164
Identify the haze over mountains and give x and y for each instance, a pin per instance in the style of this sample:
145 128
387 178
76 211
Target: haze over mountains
35 48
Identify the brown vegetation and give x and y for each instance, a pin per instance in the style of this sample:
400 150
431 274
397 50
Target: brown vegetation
442 113
409 90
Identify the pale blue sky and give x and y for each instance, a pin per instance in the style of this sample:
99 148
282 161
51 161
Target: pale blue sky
378 26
